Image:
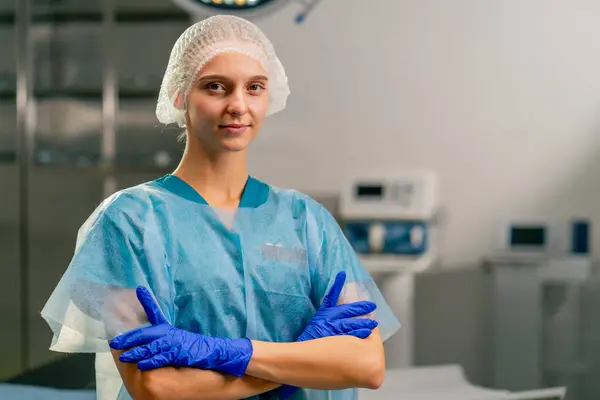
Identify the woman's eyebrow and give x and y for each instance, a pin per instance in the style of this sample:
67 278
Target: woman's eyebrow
215 77
259 78
224 78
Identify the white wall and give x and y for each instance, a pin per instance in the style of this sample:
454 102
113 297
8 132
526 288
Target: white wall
501 97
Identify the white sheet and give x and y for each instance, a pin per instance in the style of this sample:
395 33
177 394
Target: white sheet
23 392
446 382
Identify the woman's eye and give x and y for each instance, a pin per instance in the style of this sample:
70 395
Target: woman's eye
215 86
256 87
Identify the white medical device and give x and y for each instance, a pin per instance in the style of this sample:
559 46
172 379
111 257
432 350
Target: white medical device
405 195
548 237
389 217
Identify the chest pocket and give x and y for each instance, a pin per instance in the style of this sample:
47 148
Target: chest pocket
282 280
283 270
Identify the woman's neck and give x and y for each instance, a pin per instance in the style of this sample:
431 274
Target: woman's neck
220 179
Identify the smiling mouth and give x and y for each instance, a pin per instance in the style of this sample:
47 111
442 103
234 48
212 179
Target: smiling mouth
235 126
235 129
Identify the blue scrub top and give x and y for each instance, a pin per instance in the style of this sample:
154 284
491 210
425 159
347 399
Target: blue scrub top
261 278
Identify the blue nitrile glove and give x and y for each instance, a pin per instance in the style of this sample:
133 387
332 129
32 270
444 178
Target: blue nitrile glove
162 344
334 320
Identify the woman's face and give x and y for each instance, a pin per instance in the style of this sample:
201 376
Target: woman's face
228 102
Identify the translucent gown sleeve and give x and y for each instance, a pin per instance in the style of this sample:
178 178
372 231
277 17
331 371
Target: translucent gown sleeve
118 248
331 253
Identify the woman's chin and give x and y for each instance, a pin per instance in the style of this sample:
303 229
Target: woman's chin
235 144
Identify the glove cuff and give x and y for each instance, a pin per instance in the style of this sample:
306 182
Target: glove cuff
238 357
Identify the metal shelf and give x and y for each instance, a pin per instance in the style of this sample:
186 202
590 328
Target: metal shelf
92 162
90 94
10 95
138 94
8 157
76 54
7 18
151 16
124 16
81 94
106 170
66 17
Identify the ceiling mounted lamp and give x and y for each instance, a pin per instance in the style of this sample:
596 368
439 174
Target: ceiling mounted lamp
244 8
235 4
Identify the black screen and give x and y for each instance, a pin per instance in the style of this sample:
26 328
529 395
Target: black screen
528 236
369 191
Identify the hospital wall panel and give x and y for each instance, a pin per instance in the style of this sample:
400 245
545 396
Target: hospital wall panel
7 64
61 199
7 5
141 142
145 5
128 179
67 6
10 305
452 321
78 6
137 67
10 288
67 57
8 129
68 132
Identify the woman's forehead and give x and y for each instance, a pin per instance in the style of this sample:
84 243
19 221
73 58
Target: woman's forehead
233 65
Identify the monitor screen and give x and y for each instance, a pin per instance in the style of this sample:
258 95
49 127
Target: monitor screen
531 236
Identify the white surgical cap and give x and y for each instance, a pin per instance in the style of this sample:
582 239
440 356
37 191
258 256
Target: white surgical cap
203 41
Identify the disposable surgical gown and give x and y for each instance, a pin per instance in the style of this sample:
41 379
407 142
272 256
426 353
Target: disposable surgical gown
261 275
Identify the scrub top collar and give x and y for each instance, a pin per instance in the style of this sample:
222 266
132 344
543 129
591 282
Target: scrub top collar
254 195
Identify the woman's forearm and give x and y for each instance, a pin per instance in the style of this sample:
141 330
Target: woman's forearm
330 363
188 383
195 384
337 362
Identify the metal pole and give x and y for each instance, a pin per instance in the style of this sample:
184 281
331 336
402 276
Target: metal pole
109 98
308 7
24 152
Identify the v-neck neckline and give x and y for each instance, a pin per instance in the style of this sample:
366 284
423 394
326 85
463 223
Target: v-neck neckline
254 194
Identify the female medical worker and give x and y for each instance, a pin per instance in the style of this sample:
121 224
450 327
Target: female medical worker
208 283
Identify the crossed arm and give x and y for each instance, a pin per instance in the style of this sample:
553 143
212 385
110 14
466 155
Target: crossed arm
336 362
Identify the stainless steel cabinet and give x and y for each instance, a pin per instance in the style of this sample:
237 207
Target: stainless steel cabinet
10 288
68 163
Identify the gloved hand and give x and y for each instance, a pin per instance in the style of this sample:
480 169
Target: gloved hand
161 344
334 320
